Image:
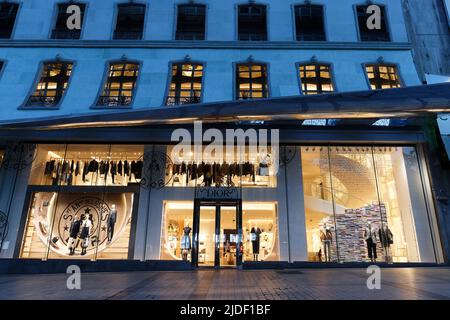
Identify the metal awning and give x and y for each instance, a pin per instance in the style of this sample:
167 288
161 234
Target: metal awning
404 103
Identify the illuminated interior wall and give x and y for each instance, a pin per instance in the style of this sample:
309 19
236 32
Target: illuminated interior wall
347 187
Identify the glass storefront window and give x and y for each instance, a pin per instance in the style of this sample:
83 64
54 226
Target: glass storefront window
87 165
60 225
260 231
259 228
252 169
372 201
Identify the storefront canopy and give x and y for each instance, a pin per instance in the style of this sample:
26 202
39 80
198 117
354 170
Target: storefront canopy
404 103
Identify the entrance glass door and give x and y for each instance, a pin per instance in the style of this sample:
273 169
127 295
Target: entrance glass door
207 237
216 235
228 237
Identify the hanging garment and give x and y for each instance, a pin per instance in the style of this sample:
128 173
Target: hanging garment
263 170
113 170
120 168
126 168
77 168
85 170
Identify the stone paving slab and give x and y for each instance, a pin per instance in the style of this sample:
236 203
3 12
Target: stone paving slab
303 284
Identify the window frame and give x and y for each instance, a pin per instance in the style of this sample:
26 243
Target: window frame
105 77
236 9
175 24
169 80
388 64
55 19
320 62
116 16
235 69
386 16
37 77
3 67
19 10
324 21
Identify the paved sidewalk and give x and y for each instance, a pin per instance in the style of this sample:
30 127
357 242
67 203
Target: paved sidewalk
405 283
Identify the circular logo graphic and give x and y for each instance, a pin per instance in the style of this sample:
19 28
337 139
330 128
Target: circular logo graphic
90 207
157 171
18 156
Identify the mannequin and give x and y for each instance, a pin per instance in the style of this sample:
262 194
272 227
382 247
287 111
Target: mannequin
386 239
255 238
74 230
326 236
85 231
186 242
112 222
370 236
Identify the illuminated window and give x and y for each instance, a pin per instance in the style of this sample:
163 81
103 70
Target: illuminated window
309 24
366 34
382 76
251 81
8 14
130 22
252 23
52 84
61 31
191 22
316 78
186 84
120 85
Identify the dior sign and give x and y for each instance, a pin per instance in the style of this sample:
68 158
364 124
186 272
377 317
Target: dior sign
217 194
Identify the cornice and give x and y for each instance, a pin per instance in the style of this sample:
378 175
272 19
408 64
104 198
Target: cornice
270 45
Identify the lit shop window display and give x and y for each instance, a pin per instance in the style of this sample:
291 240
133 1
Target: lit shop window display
365 204
259 233
87 165
260 228
78 225
247 169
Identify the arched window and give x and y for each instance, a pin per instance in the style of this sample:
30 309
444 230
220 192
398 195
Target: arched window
309 23
315 78
8 14
191 22
252 22
185 84
130 21
251 81
119 87
52 84
373 33
61 30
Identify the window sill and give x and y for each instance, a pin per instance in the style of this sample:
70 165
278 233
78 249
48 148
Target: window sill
38 108
110 108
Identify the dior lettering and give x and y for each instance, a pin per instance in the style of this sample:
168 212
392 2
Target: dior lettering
194 310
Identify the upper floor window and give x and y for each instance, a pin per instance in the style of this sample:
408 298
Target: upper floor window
252 23
51 85
251 81
68 25
191 22
369 29
315 78
1 66
382 76
185 84
309 23
8 14
119 87
130 21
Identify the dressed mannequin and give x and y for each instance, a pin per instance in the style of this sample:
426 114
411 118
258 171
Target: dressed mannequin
370 236
326 236
74 230
386 239
186 242
112 218
255 238
85 231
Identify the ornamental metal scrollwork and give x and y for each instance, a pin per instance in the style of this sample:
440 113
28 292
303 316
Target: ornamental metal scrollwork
18 156
156 172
